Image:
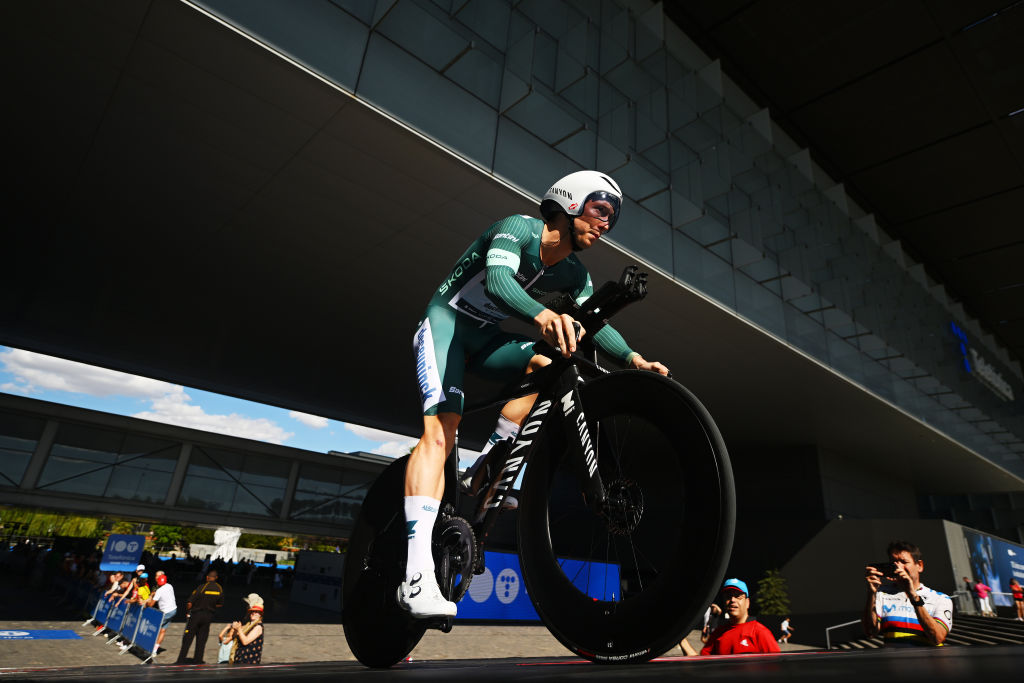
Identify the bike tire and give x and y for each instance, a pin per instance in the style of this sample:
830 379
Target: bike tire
657 446
379 632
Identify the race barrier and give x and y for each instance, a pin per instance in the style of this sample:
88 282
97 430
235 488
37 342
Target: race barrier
133 625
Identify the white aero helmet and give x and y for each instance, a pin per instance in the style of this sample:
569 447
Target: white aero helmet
572 192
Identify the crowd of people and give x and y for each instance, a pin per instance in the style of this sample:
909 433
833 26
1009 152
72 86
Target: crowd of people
151 584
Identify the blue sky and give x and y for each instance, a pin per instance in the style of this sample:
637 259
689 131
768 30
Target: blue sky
70 383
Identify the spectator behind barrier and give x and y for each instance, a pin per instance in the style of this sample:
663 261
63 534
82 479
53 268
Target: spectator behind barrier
899 607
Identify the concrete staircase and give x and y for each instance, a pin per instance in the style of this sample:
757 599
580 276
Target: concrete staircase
967 630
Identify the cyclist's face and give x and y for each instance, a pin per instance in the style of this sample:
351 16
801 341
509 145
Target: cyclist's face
593 222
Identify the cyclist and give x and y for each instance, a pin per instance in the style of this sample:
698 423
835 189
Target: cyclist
507 271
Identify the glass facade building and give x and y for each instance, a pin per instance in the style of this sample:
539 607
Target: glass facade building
77 459
718 197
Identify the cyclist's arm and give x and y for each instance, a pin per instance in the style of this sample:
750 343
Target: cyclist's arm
612 343
503 257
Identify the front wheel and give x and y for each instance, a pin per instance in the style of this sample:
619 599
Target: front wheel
628 584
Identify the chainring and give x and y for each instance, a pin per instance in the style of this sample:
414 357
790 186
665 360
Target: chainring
455 552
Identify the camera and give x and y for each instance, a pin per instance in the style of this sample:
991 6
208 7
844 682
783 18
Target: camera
888 569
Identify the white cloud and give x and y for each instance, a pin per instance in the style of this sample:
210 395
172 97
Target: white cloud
395 445
170 404
176 409
34 371
309 420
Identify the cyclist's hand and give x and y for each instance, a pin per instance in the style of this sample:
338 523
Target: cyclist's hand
558 331
654 366
874 579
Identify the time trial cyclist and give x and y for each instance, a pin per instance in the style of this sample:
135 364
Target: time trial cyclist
518 262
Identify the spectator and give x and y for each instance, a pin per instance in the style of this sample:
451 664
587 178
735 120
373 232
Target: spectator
969 594
201 605
984 602
1018 598
248 648
712 620
900 607
143 590
741 635
163 598
786 629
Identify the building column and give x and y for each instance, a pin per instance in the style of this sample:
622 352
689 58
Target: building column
289 490
43 446
179 475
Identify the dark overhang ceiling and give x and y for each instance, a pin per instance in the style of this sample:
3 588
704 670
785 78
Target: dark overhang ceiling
191 207
916 107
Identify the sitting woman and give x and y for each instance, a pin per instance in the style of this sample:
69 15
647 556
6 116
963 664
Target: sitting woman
248 647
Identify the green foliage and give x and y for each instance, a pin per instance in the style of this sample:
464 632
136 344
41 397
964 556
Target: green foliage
166 536
260 541
195 535
123 528
50 524
772 594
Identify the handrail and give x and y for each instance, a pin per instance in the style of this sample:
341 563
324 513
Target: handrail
828 638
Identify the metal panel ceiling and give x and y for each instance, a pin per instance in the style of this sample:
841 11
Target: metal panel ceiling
916 107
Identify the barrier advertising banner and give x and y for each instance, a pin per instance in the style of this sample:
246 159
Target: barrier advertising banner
994 562
102 611
499 593
131 620
116 616
148 628
122 553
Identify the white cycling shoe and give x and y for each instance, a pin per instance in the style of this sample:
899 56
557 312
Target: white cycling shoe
422 598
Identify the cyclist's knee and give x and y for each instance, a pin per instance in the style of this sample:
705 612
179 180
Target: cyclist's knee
537 362
439 431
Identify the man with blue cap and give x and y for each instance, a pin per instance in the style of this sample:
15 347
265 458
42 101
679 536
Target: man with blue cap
740 634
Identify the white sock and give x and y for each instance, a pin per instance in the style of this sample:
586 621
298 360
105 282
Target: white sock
502 430
420 515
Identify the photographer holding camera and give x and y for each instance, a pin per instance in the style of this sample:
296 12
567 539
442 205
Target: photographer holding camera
899 607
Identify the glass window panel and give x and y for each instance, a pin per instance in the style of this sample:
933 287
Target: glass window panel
543 118
647 235
139 483
329 494
78 459
422 34
805 333
12 466
19 435
265 471
325 38
20 432
581 148
479 74
393 79
254 500
526 160
489 19
758 304
205 493
703 270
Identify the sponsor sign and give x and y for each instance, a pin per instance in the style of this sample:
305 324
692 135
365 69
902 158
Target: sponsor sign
499 593
122 553
994 562
116 616
36 634
131 620
148 628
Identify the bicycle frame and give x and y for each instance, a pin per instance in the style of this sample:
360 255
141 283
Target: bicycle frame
557 386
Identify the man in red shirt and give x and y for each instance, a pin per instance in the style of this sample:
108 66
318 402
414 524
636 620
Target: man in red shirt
739 634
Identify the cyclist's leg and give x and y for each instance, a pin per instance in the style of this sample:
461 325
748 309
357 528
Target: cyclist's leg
440 370
505 359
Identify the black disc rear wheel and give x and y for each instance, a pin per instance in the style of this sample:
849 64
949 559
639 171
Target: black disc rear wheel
629 583
378 631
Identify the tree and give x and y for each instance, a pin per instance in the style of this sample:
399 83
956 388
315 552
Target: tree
772 594
166 536
195 535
